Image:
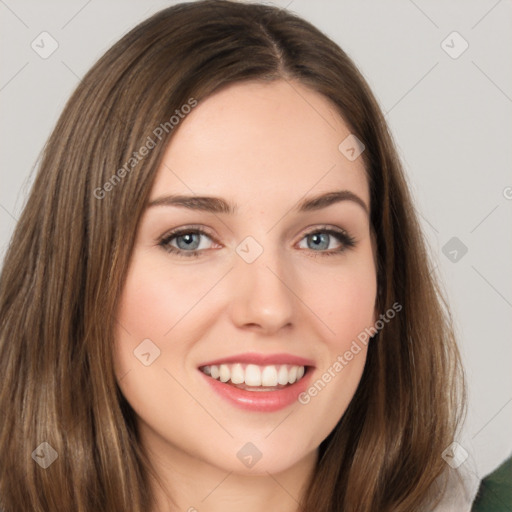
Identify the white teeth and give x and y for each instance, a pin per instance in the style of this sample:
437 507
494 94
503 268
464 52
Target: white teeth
282 377
269 376
224 373
254 375
237 374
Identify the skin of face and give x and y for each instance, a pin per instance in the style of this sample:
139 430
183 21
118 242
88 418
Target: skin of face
265 147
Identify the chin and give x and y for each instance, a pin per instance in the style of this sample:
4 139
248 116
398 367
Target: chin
250 460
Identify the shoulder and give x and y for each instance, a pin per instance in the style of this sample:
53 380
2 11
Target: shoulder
495 489
461 486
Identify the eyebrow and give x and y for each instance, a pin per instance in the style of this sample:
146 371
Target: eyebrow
220 205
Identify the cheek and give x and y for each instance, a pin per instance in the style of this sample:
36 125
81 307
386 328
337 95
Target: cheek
157 303
346 302
147 310
152 302
155 299
347 306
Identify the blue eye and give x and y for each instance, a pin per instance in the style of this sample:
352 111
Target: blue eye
320 239
188 241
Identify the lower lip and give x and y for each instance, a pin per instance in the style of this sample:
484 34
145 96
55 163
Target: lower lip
263 401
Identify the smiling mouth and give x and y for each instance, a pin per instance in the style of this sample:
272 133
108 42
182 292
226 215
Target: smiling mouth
252 377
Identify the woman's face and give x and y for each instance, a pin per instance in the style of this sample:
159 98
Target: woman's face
270 288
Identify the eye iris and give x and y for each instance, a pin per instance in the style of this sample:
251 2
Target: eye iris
188 244
317 236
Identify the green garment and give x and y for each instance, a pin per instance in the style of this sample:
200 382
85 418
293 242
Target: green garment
495 491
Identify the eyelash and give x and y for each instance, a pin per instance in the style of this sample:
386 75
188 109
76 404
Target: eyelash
343 237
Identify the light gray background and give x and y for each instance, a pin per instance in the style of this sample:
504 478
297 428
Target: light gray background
451 119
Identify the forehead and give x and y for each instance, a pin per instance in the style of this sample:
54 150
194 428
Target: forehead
260 143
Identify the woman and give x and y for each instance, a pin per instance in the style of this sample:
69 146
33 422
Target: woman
254 372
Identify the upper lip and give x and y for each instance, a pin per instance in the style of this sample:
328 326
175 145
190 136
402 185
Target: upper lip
262 359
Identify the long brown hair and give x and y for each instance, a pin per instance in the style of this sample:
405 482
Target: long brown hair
66 263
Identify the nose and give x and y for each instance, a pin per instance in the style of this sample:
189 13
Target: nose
263 298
